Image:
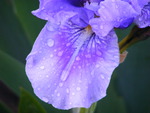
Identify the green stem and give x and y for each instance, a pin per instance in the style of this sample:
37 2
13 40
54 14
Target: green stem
136 35
85 110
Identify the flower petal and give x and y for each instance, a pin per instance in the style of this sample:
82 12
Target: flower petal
70 66
113 13
138 4
143 20
49 8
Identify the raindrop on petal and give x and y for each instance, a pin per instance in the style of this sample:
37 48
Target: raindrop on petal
60 53
73 93
77 58
78 88
50 43
67 90
102 76
42 67
45 99
60 84
58 94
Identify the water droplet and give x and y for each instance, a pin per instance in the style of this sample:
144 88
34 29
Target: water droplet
68 44
55 50
51 55
55 91
92 72
45 99
58 94
42 67
39 89
140 18
78 88
77 58
50 43
88 64
73 93
102 76
60 53
103 7
67 90
101 27
30 59
97 66
60 84
79 67
50 28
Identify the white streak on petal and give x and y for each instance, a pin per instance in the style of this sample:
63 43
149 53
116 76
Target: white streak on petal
78 44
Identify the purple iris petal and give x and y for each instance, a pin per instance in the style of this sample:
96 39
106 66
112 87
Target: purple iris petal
138 4
49 8
143 20
113 13
142 7
69 65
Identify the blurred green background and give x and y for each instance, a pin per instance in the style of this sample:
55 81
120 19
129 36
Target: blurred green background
128 92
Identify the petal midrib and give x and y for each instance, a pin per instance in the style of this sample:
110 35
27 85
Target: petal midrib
84 36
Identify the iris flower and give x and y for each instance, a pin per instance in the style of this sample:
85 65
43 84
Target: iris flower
73 57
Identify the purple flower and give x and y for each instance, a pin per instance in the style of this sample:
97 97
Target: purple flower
143 18
121 14
73 58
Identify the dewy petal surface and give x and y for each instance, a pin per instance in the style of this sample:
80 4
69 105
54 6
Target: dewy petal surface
49 8
113 13
69 66
143 20
137 4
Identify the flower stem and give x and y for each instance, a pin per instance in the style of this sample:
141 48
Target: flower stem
136 35
85 110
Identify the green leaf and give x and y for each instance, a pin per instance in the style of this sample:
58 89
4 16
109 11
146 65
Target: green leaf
28 104
134 76
31 24
13 39
12 73
4 109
